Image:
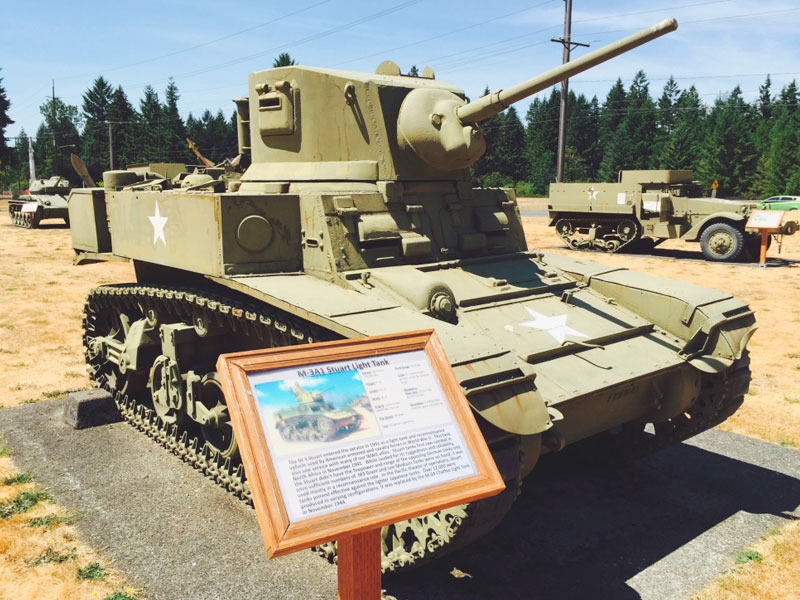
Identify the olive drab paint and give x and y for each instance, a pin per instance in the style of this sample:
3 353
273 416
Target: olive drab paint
646 207
356 217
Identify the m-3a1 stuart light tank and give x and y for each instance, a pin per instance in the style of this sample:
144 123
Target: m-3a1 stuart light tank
313 419
357 218
44 199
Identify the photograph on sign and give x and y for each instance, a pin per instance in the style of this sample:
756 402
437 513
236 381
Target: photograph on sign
339 434
349 432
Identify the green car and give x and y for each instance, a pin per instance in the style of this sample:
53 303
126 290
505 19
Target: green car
780 203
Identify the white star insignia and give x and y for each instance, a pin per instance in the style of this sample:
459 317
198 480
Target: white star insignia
592 193
158 226
555 326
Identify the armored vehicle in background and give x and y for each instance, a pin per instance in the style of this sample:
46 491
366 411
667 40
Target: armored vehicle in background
313 419
44 199
357 218
644 208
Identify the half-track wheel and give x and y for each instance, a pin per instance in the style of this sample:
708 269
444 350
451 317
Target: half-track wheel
722 242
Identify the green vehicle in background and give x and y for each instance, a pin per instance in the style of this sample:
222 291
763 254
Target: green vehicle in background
786 203
44 199
355 218
646 207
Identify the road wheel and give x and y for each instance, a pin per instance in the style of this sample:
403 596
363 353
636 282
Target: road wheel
721 242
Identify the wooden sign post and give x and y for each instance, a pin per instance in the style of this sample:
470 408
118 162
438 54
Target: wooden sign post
767 222
341 438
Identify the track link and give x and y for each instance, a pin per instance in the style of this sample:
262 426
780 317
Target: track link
606 234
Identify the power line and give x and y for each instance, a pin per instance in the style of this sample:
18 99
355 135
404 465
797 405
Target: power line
203 44
304 40
441 35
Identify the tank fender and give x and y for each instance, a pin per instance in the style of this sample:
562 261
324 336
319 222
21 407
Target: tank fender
694 233
714 326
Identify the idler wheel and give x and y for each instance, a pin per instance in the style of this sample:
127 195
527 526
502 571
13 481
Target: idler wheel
218 437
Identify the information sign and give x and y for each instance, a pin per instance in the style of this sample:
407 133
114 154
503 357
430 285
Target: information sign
765 219
343 437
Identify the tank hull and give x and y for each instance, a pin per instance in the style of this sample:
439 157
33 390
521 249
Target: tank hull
29 210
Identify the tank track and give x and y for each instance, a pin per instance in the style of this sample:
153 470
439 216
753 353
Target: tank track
21 219
412 542
720 396
611 241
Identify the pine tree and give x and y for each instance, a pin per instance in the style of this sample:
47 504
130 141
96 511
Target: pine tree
488 163
729 153
511 147
149 148
781 166
542 140
173 130
666 119
638 126
611 137
124 117
682 148
764 105
96 102
283 60
5 121
581 156
53 159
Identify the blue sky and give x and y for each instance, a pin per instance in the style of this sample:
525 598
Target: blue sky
210 47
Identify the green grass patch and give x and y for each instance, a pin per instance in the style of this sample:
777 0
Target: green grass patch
48 521
787 443
59 393
23 477
52 555
749 556
22 503
120 596
4 450
94 571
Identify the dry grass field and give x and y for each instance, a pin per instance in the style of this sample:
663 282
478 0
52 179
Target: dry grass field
41 357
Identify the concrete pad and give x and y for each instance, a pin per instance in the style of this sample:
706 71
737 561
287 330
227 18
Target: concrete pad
90 408
659 528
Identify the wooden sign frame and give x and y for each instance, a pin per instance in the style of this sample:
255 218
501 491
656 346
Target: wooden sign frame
282 536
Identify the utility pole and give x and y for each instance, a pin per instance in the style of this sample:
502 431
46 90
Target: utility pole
562 117
111 141
110 148
55 145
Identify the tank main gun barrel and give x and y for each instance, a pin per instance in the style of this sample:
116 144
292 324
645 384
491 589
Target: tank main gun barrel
483 108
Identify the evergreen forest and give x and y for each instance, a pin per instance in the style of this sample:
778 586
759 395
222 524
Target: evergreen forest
751 148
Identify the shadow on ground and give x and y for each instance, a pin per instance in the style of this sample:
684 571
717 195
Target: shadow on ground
659 528
579 531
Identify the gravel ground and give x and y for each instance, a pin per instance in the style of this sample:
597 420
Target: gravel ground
658 528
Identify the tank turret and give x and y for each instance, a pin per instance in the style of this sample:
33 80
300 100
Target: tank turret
327 124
